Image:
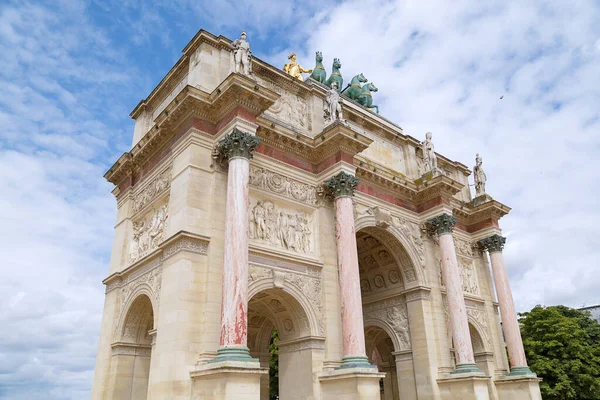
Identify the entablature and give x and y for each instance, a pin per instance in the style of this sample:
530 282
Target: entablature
235 91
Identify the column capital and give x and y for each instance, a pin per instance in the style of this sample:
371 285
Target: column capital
342 184
493 243
441 224
237 144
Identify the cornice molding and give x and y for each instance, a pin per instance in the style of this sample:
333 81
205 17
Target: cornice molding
235 91
181 241
336 138
439 186
467 214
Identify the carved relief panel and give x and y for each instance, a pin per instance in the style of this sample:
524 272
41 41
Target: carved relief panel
289 108
148 231
281 226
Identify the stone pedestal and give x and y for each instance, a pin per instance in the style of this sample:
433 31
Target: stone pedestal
464 387
350 384
227 380
518 388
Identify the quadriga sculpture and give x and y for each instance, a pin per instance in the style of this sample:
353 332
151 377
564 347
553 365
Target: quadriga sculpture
354 89
319 74
366 99
335 74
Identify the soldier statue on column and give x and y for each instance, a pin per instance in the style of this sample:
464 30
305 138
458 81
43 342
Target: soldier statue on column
242 56
479 176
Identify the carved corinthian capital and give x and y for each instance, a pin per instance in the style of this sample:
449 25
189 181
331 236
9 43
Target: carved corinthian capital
342 184
237 144
441 224
493 243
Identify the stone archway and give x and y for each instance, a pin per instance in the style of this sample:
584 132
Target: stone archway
131 353
400 236
277 309
380 350
384 267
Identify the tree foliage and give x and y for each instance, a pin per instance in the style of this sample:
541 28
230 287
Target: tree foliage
563 348
274 366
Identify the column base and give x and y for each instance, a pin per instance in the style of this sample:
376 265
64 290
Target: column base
518 387
228 379
241 353
351 383
356 362
470 368
466 387
521 371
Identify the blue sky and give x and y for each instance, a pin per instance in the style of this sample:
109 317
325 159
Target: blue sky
71 71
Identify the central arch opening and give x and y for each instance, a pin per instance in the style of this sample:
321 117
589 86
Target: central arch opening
277 328
383 264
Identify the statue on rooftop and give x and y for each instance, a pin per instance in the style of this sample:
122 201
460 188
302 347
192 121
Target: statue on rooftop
366 98
319 73
479 176
354 89
333 109
335 76
429 157
294 69
242 56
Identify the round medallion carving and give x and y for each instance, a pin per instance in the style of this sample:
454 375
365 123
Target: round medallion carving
379 281
393 276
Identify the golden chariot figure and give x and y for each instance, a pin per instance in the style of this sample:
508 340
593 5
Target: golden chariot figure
294 69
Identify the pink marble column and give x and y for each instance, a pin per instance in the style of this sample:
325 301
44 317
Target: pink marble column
442 225
342 186
237 149
510 324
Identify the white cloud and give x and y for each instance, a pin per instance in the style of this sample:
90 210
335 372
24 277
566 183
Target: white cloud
442 67
67 86
56 210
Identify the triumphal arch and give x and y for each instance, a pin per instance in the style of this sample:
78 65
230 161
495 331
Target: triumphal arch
258 200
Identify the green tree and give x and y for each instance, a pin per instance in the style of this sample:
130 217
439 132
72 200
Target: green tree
274 366
563 348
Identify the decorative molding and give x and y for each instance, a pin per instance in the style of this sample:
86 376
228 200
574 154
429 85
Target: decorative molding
310 286
418 293
342 184
301 344
404 355
185 243
441 224
129 349
181 241
412 232
276 183
476 313
152 190
494 243
394 313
